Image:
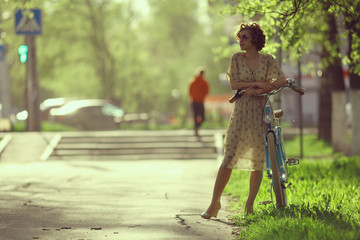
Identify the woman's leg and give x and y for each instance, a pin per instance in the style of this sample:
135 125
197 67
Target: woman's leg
222 179
255 182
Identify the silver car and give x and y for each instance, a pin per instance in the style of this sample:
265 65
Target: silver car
88 114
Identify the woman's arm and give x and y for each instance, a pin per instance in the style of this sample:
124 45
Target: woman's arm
270 87
236 85
278 83
276 76
265 86
230 75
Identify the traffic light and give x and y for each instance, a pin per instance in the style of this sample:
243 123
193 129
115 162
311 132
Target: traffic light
23 50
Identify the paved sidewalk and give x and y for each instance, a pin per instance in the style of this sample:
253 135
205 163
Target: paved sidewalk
96 200
26 146
109 200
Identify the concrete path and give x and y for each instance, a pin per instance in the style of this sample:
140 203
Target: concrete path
26 147
109 200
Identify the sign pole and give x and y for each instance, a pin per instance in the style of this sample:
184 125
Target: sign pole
30 25
300 113
5 98
32 87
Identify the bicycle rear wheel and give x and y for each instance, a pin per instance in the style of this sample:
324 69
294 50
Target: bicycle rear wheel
279 190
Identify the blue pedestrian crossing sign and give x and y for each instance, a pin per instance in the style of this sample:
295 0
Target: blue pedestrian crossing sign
2 53
28 21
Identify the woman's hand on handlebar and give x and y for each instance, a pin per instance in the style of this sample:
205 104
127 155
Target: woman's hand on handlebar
265 86
254 91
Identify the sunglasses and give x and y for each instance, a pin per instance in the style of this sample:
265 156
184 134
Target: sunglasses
242 37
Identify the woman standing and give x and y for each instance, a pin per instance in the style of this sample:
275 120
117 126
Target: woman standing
244 140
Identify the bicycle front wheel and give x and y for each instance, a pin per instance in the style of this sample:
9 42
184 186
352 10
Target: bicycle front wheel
279 190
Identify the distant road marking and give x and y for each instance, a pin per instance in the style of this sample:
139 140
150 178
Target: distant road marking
50 147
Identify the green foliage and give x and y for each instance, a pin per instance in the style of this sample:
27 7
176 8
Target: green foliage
112 49
301 26
323 201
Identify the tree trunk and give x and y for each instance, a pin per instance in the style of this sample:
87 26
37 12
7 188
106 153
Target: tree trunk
276 99
332 120
339 126
354 100
338 115
104 61
325 106
355 120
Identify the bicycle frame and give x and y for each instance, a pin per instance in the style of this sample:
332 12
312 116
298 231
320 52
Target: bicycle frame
275 130
276 163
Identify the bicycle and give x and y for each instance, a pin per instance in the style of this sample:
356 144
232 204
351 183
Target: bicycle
276 162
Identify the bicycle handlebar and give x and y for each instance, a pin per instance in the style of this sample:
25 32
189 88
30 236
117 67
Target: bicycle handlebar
290 84
236 96
299 90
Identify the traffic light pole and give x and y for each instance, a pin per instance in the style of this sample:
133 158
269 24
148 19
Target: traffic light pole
33 122
5 98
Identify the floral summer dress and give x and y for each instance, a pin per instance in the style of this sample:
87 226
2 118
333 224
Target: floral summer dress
244 139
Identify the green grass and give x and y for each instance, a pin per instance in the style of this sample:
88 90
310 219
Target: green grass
312 147
45 126
323 202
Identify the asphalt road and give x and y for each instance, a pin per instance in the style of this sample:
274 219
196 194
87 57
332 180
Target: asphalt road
152 199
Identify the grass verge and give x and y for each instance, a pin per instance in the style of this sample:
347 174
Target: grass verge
45 127
323 202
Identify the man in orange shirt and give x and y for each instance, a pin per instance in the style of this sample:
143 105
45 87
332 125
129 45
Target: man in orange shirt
198 90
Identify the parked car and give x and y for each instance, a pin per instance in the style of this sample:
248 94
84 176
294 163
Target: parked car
45 108
132 118
48 104
88 114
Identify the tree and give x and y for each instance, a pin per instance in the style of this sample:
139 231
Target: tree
103 58
108 49
294 17
179 43
352 25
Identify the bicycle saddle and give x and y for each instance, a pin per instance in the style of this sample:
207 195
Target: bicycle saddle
278 113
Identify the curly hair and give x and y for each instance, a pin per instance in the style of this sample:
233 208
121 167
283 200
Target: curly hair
257 34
